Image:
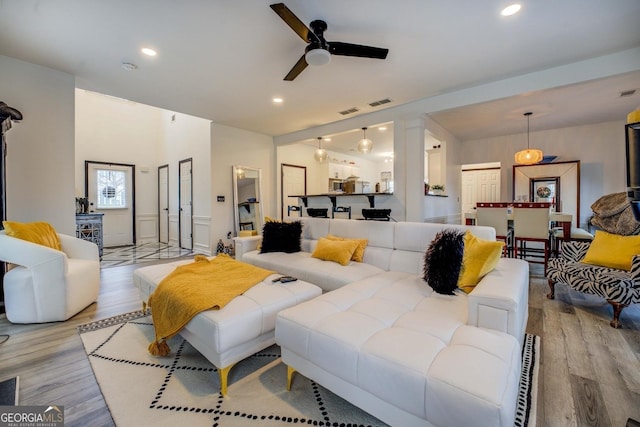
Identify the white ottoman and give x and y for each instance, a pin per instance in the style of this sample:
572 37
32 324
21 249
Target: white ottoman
241 328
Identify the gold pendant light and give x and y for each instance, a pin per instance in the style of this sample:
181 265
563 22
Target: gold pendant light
530 156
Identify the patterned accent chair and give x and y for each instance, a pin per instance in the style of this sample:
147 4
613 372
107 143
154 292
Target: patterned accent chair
619 287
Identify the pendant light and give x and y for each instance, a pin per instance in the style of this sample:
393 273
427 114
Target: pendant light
528 156
365 145
321 154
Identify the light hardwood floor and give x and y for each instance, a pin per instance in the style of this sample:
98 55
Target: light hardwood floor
589 372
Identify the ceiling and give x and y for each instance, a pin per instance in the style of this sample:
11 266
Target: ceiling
225 60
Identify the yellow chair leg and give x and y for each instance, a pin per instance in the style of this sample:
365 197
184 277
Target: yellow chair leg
290 372
224 373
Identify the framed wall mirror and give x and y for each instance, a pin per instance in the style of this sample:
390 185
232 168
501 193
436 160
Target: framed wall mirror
557 183
247 199
546 190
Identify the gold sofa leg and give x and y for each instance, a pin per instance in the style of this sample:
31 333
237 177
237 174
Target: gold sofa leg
290 372
224 373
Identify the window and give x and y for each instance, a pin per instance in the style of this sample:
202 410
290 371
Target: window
111 189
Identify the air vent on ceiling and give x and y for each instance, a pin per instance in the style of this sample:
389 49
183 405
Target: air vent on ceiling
349 111
627 92
380 102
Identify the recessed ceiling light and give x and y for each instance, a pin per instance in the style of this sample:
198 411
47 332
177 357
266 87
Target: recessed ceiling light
382 128
278 100
512 9
129 66
148 51
326 139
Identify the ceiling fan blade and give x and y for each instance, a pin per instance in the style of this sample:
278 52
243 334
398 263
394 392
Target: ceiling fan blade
293 21
349 49
297 69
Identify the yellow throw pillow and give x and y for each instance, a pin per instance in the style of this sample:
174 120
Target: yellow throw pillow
41 233
479 258
358 255
339 251
612 250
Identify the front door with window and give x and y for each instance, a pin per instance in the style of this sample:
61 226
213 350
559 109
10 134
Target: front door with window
110 192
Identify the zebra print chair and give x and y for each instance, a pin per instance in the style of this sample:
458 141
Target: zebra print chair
619 287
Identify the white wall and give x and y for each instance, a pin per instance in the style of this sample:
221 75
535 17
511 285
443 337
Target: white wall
40 160
115 130
600 148
118 131
232 146
188 137
445 209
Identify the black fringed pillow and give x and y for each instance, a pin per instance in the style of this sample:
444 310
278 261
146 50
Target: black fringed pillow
443 261
281 237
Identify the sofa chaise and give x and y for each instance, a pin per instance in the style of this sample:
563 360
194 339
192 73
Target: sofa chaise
382 339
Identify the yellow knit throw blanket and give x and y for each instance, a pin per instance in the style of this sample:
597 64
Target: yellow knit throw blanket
191 288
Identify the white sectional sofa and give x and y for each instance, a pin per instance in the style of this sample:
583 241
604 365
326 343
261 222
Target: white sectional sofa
499 301
383 340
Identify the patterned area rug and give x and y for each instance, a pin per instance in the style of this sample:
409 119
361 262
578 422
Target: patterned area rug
183 388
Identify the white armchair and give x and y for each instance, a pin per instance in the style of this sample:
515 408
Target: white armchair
47 285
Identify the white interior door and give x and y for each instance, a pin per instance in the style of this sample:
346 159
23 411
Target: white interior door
163 204
294 181
479 185
488 185
185 196
110 192
468 193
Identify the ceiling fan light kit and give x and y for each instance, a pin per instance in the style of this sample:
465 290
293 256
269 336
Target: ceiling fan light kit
317 57
365 145
530 156
319 50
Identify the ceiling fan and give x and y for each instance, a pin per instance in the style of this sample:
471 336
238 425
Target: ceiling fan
318 50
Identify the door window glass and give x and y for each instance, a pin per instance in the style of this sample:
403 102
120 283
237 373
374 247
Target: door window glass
111 189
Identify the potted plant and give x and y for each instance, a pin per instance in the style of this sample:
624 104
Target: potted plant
437 189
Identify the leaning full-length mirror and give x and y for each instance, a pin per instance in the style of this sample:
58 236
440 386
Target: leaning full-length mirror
247 199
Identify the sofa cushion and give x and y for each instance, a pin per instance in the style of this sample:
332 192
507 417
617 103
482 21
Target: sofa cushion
281 236
358 254
612 250
443 260
303 266
480 257
41 233
339 251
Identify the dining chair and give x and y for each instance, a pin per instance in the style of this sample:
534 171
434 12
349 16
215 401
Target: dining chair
495 214
531 224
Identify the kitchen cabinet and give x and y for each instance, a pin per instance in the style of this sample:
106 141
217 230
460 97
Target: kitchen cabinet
343 170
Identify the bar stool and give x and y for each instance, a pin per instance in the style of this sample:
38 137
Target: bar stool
318 212
341 209
376 214
294 208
